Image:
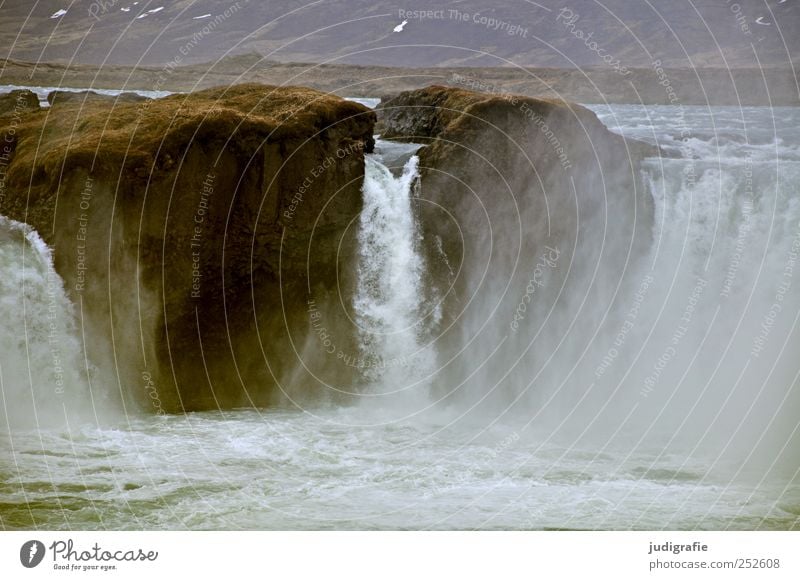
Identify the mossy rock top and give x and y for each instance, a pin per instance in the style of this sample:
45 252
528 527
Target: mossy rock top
114 133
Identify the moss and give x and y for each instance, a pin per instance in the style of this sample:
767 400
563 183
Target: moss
114 133
427 113
136 174
18 103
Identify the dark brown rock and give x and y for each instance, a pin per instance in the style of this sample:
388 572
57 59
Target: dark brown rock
423 114
192 231
18 102
506 180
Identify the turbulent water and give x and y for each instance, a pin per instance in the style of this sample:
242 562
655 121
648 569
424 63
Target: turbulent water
391 317
44 376
690 420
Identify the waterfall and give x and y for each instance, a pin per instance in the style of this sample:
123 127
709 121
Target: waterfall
689 347
391 311
718 369
43 373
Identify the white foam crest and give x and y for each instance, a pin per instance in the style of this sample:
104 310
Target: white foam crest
43 373
389 310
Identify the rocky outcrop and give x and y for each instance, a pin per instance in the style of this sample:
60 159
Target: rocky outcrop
18 102
90 97
207 240
529 207
423 114
192 232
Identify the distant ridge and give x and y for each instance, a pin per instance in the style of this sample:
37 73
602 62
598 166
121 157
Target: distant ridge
776 86
679 33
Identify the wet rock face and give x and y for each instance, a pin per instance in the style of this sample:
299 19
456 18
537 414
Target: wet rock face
208 240
422 114
192 231
519 197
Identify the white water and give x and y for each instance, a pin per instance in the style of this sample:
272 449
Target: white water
43 373
709 441
694 350
710 364
391 314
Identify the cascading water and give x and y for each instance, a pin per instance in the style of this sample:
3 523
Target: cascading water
642 391
391 312
43 373
709 365
687 349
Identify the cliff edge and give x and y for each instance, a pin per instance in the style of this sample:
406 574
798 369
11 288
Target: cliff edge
528 208
191 231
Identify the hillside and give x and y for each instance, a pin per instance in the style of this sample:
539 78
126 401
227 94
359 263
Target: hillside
717 86
700 33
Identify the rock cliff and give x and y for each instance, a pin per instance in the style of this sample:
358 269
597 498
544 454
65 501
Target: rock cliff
208 240
192 231
528 207
18 102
